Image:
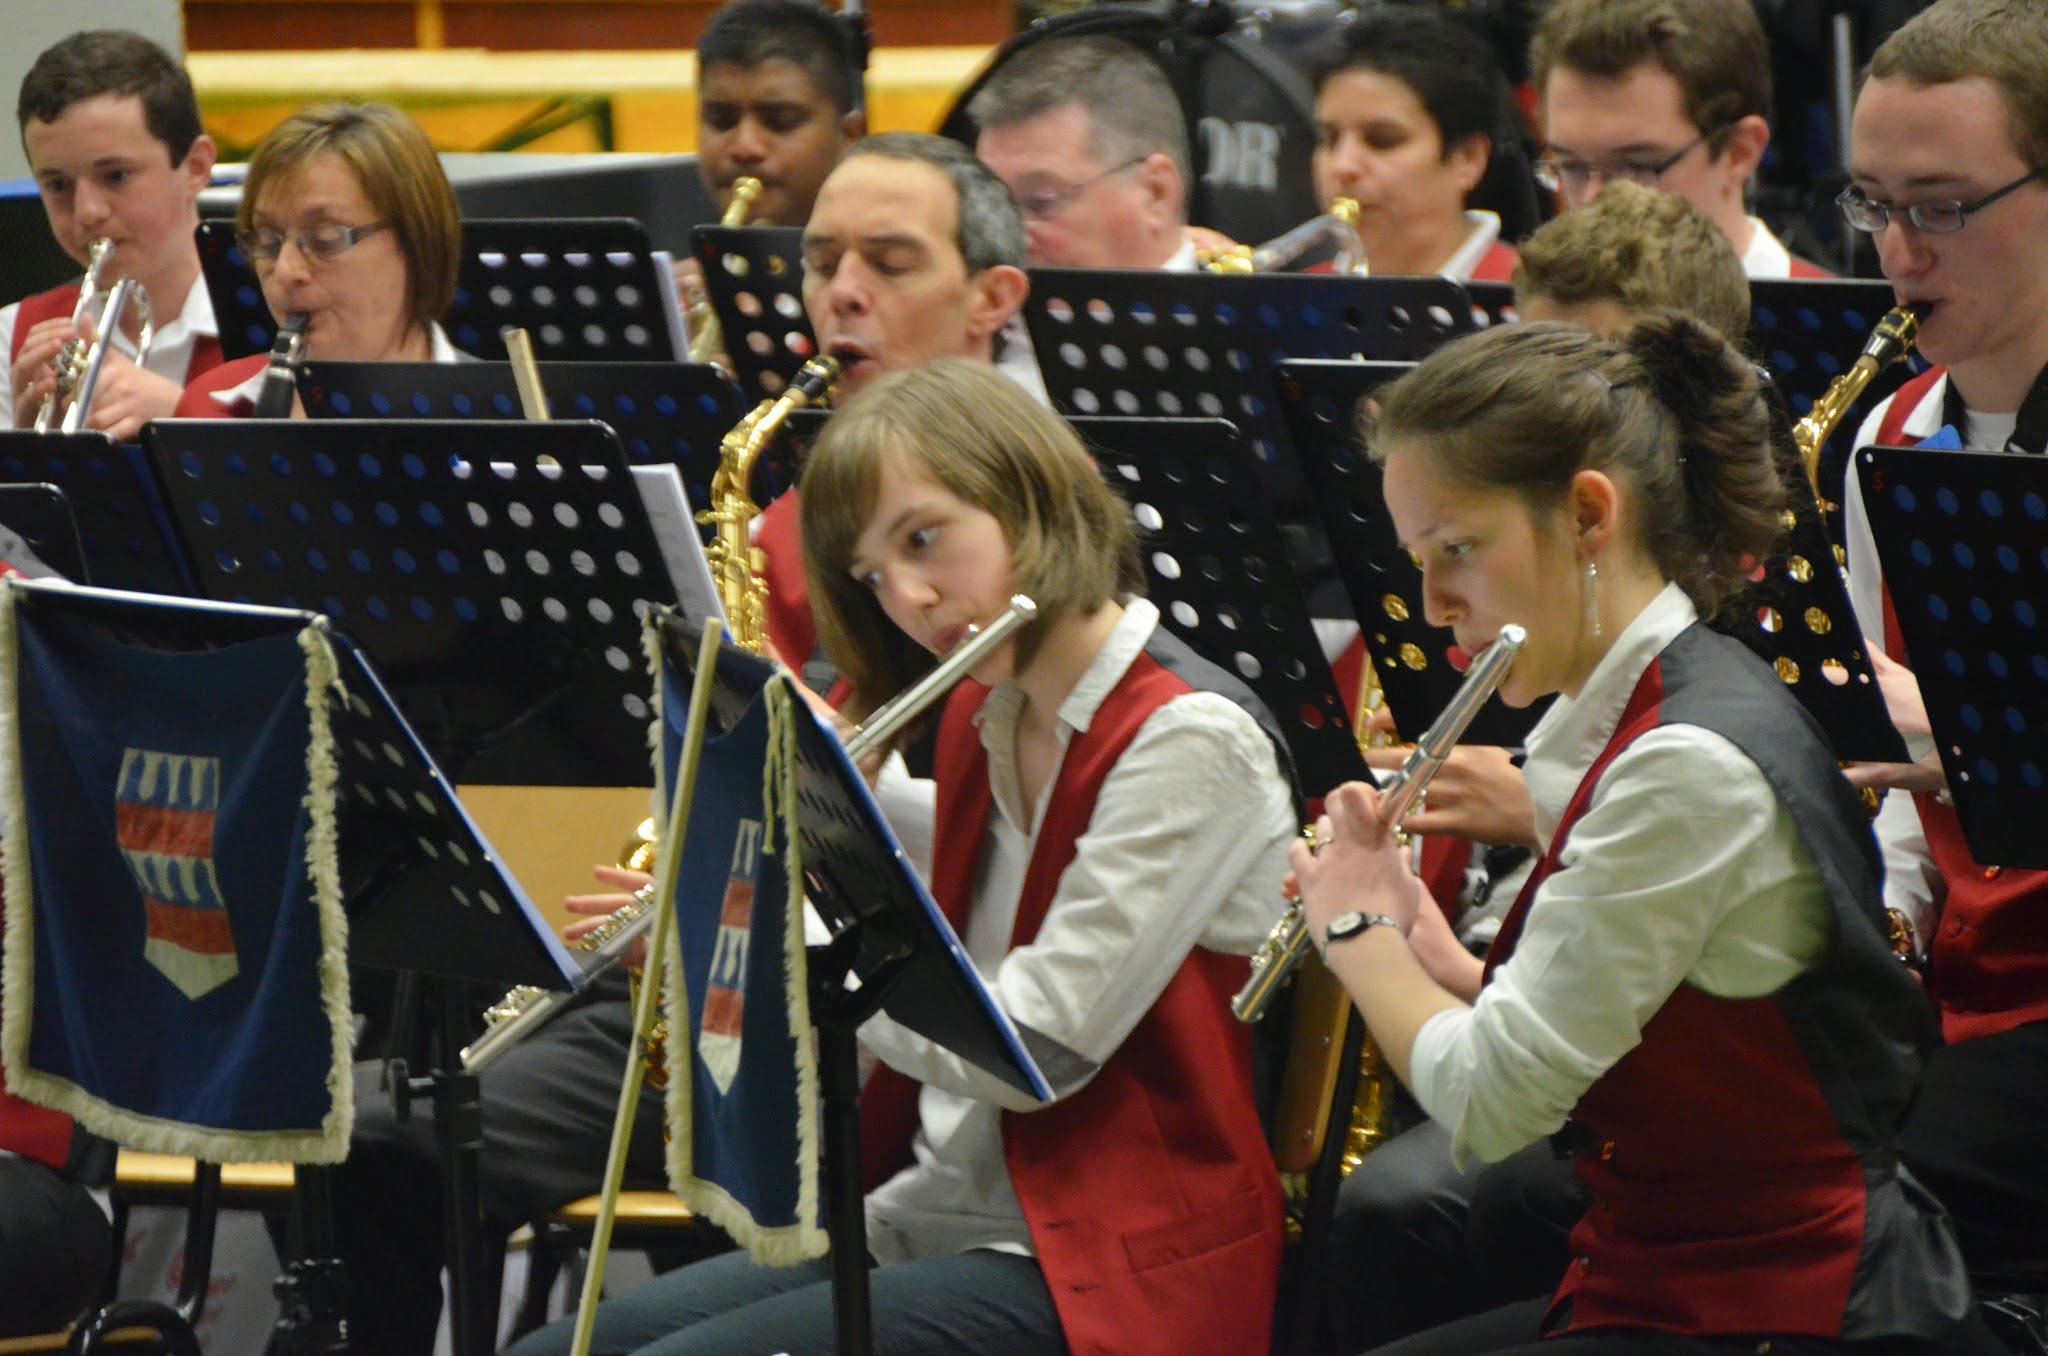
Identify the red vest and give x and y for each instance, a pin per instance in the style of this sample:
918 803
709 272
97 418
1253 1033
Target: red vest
198 401
1744 1180
1802 269
29 1130
59 302
1497 264
1150 1193
1988 958
791 628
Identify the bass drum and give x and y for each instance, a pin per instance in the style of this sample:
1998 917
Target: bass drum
1250 112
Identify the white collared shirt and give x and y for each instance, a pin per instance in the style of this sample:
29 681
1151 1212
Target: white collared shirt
170 354
440 351
1485 229
1766 256
1683 869
1186 847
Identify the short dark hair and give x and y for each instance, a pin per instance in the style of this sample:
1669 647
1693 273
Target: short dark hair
1132 109
749 32
113 61
991 229
1714 49
1449 64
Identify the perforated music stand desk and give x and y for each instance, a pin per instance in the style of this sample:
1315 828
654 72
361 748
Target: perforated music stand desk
122 530
586 289
1413 660
1963 537
499 596
754 276
662 412
1808 331
888 934
41 516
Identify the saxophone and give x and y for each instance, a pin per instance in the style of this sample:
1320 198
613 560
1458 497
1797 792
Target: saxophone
1338 226
706 340
736 566
1888 343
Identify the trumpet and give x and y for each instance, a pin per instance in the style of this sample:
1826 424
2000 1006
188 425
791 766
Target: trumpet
526 1008
1338 227
1288 943
70 360
1890 341
83 373
706 340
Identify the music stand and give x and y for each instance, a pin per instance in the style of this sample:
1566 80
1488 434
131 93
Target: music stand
1808 331
125 538
500 596
586 289
1414 661
1961 536
754 276
1493 303
41 516
662 412
888 935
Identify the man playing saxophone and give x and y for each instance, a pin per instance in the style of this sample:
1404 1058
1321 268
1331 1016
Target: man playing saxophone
112 133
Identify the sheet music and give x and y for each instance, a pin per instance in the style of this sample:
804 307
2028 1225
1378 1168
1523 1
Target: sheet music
672 306
675 528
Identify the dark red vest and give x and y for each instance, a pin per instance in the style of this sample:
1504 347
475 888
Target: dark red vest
1744 1178
1803 269
791 628
198 401
1988 958
58 304
1150 1193
1497 264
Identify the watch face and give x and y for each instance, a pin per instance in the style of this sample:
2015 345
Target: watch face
1344 925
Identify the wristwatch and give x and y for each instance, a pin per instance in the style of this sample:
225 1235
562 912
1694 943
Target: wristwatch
1351 924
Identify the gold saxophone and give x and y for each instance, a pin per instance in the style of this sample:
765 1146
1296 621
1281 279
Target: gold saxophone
706 340
78 363
1889 342
1338 226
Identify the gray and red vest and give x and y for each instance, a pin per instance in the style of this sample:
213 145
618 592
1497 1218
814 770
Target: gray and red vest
59 302
1151 1195
1988 958
1744 1176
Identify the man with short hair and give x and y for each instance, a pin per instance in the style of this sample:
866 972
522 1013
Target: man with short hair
1672 94
111 129
1089 136
1626 254
1949 146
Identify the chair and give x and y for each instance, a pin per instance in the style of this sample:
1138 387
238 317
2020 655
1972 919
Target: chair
653 1222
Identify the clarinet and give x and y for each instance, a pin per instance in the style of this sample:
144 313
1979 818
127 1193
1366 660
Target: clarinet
280 379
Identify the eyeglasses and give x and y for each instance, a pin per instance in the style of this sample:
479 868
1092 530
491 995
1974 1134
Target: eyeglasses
1043 204
1942 217
1576 176
316 245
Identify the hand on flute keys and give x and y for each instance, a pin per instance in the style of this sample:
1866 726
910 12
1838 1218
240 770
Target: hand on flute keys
1353 862
1478 794
601 907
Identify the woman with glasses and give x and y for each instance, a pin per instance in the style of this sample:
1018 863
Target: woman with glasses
348 221
1405 119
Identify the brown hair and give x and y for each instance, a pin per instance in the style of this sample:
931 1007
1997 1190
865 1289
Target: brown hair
1669 409
400 175
974 431
1715 49
2003 41
1641 249
113 61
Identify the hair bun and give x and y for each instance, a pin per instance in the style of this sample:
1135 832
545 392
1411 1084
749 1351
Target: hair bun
1692 370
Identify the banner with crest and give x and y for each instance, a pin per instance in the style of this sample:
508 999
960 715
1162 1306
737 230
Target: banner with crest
174 953
743 1084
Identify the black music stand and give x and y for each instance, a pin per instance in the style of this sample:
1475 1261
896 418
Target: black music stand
453 554
754 276
1963 537
1808 331
662 412
1493 303
41 516
888 935
586 289
1412 659
125 538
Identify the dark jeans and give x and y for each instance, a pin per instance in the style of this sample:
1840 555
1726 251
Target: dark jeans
978 1303
1517 1328
1977 1137
55 1247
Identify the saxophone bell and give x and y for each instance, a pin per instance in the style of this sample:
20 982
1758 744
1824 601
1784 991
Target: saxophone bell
707 340
1890 340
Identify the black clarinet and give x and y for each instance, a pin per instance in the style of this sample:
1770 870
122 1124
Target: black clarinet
274 398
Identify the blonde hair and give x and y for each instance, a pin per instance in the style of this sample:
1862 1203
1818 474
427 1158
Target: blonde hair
1073 545
2003 41
401 176
1668 409
1642 249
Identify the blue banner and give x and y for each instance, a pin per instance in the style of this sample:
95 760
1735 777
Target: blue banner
166 934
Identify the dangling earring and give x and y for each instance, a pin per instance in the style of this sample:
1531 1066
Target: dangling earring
1593 597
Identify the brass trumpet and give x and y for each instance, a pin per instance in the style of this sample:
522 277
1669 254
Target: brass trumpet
706 339
1288 943
1890 341
77 357
1338 226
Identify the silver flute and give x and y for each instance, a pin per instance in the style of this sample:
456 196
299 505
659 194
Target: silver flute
525 1009
1288 943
